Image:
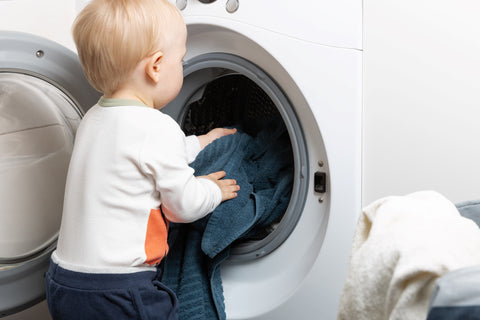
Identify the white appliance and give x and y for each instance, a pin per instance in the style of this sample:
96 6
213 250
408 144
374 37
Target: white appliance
306 58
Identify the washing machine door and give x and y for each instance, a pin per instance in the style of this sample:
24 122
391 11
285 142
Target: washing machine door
43 95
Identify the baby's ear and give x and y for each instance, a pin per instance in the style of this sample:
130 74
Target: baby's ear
152 68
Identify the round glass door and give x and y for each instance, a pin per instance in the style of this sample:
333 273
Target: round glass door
43 95
37 128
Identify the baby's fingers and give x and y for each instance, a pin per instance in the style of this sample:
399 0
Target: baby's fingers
229 188
217 175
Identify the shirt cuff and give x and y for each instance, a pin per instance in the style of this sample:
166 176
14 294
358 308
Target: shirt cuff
193 147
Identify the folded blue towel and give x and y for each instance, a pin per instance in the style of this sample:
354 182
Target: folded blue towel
263 167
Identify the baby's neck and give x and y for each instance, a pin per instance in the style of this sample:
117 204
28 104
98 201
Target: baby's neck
130 95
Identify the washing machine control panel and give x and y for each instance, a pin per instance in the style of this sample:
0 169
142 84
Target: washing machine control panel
231 5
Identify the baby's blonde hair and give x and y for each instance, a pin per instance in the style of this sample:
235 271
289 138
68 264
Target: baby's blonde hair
113 36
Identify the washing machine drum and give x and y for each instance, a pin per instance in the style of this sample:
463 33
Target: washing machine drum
43 95
223 90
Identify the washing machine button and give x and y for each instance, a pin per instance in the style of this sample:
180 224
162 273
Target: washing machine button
181 4
232 6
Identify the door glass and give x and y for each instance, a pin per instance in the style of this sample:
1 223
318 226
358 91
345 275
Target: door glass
37 127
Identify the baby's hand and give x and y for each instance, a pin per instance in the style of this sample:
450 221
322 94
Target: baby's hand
214 134
229 187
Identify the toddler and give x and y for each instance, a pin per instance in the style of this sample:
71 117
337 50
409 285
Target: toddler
129 174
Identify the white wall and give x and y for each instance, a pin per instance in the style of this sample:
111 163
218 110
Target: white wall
421 98
50 19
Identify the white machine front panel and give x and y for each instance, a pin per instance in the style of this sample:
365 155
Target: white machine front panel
325 88
332 23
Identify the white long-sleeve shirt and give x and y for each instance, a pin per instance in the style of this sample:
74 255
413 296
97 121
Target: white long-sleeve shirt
127 161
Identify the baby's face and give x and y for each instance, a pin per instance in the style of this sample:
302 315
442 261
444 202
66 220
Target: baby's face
172 66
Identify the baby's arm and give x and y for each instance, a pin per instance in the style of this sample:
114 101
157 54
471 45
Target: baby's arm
195 144
229 187
214 134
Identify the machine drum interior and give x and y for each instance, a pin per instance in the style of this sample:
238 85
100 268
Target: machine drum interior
234 100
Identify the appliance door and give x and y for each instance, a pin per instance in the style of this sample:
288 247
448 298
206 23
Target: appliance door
43 95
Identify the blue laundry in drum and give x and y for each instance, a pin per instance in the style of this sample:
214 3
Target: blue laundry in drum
263 167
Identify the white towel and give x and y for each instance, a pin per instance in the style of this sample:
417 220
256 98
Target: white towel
402 245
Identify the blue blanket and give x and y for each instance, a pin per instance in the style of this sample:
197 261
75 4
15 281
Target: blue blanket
263 167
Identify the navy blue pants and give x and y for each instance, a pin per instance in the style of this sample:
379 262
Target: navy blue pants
74 295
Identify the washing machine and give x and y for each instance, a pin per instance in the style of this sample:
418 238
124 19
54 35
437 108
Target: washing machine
43 95
301 59
305 58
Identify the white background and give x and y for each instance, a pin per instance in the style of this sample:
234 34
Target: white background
421 98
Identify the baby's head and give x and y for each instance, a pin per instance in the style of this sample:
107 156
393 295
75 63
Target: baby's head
113 36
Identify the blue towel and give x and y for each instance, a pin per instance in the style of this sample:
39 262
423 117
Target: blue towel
263 167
